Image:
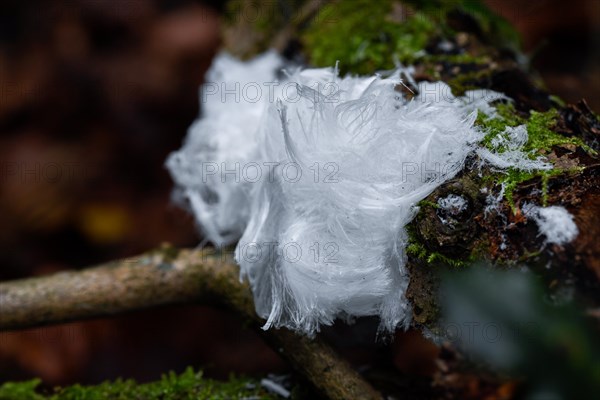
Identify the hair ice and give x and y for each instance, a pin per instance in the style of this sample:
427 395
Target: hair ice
321 234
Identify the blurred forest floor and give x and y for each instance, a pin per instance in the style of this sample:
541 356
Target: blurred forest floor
93 96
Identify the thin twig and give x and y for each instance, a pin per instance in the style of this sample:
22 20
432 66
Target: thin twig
169 276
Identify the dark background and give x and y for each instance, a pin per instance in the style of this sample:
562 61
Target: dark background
93 96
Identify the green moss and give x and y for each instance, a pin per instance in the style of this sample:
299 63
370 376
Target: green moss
540 129
367 40
435 258
20 390
541 139
515 177
468 80
427 203
187 386
508 113
418 250
507 117
381 32
541 135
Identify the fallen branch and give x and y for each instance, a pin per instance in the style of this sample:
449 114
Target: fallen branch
163 277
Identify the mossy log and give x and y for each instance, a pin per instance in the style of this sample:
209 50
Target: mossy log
467 46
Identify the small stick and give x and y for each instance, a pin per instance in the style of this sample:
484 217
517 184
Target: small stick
170 276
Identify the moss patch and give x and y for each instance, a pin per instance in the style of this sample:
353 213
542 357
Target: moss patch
507 117
367 36
541 135
367 40
470 80
541 140
540 129
420 252
187 386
